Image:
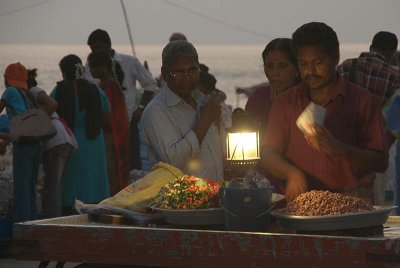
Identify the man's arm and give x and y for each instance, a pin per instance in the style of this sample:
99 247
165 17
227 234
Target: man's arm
146 98
210 113
149 85
145 78
369 154
166 141
363 160
50 105
276 138
280 167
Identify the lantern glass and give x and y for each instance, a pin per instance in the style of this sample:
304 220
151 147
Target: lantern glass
242 146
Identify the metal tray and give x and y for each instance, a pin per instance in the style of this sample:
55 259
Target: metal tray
210 216
334 222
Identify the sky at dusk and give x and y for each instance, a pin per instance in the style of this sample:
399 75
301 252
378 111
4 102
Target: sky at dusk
203 22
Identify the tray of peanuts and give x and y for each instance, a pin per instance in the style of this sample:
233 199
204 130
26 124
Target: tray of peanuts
324 211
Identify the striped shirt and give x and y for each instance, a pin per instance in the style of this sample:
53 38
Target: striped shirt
168 123
371 71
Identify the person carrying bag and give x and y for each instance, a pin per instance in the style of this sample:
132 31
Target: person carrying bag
57 151
26 156
33 125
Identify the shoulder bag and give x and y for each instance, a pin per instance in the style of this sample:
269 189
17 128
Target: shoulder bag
33 125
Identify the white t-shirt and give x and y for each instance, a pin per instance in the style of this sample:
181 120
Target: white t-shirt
64 134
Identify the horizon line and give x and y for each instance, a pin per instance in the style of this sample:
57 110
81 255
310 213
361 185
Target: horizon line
152 44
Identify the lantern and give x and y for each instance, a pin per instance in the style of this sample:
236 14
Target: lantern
242 140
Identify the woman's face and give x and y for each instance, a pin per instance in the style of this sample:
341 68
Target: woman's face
280 71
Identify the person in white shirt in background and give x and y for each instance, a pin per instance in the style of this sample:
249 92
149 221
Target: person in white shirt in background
134 72
57 151
177 129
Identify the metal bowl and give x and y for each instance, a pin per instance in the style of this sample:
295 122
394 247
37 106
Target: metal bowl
334 222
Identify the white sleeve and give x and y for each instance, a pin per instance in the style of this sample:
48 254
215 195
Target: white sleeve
35 91
144 77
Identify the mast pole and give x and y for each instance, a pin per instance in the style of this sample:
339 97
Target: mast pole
128 27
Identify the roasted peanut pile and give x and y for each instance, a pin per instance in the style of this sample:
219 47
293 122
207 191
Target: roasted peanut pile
321 203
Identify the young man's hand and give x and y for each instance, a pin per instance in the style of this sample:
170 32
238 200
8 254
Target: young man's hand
296 184
322 140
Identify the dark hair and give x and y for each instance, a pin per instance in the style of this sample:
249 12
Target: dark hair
281 44
178 48
69 65
384 41
99 35
32 74
208 80
177 36
89 97
316 34
203 68
99 58
102 58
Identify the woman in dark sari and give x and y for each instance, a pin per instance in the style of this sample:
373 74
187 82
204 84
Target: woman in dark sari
117 138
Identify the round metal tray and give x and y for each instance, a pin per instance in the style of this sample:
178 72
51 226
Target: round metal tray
334 222
210 216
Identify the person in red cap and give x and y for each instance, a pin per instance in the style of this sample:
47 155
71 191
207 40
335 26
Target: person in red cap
26 157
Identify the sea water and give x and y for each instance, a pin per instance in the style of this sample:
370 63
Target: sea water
233 65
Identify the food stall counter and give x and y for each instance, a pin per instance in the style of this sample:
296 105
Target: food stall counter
80 239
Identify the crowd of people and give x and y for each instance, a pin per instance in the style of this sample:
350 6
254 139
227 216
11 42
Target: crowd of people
103 134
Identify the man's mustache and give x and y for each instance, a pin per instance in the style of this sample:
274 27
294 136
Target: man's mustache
312 77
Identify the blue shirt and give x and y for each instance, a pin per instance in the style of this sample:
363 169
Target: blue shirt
14 102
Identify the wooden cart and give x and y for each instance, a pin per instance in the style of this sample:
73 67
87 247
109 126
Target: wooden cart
77 239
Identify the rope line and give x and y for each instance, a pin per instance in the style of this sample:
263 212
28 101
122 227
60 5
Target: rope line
128 27
226 24
23 8
218 20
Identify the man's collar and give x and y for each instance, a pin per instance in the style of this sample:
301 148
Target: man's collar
340 89
116 56
372 54
341 86
172 99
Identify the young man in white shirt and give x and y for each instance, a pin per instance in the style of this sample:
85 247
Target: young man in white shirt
133 71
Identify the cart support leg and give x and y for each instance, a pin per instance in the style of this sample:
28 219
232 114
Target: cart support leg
43 264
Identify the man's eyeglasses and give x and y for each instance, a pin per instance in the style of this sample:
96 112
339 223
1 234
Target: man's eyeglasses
180 75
